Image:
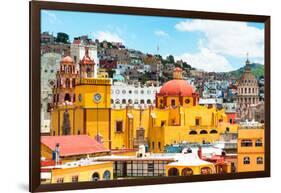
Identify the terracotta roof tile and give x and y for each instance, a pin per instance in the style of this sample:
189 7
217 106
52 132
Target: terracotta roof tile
73 144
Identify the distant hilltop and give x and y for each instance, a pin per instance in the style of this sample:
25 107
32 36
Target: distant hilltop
257 69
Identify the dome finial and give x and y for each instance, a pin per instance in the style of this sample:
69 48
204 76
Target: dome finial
247 62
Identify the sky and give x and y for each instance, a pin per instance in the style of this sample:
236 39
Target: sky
210 45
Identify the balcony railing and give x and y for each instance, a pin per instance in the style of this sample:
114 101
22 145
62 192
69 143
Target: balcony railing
137 142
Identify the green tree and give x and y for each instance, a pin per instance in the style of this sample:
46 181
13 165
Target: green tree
62 37
170 59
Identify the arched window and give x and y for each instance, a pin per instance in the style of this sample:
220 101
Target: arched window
95 177
141 101
227 129
213 131
192 133
148 101
203 132
123 101
246 160
173 172
259 160
88 71
206 170
258 143
74 97
73 82
67 97
117 101
106 175
186 172
67 83
246 143
130 101
111 101
136 101
173 102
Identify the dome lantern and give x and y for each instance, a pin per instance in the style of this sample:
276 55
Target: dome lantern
177 73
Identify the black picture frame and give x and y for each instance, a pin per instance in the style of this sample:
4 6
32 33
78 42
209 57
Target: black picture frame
34 99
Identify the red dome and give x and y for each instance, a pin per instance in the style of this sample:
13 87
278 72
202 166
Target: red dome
67 59
177 88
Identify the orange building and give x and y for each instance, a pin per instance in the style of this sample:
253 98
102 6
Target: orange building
250 147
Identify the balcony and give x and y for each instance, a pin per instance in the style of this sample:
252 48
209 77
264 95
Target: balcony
139 141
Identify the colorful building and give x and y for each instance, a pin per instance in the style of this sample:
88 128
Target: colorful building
189 164
250 148
145 164
177 117
79 171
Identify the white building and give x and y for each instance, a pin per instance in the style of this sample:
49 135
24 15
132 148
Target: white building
77 51
122 68
210 101
123 94
49 67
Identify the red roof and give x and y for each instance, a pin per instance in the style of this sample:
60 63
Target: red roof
73 144
45 163
214 158
177 87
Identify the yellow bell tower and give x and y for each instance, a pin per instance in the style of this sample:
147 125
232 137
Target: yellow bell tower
93 93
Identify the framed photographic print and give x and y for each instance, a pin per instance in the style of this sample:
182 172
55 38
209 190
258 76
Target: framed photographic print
124 96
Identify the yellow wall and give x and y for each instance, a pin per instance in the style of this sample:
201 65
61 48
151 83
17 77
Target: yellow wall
196 169
89 88
252 152
84 173
179 121
46 152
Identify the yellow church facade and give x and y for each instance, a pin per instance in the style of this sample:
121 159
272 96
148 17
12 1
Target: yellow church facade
175 118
